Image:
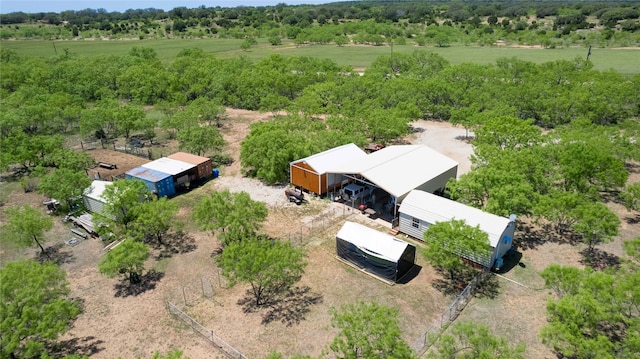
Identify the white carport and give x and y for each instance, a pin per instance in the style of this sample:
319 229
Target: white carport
400 169
421 209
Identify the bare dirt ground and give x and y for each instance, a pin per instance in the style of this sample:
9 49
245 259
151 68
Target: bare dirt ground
123 162
120 322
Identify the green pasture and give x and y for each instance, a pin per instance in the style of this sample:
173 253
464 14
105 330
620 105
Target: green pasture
621 60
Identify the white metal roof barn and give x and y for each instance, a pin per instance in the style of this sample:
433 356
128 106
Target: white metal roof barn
317 173
401 169
421 209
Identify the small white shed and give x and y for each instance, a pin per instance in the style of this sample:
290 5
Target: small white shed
421 209
92 197
375 252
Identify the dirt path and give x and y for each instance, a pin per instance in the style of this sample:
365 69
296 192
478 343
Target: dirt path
446 139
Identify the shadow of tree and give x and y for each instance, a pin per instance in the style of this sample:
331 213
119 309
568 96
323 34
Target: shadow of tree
56 253
599 259
632 219
174 243
529 236
452 287
488 288
466 139
86 346
290 307
147 282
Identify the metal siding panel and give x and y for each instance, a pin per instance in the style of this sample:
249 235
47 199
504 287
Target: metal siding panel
304 178
406 227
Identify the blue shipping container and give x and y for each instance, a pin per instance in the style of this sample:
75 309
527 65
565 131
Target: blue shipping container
157 182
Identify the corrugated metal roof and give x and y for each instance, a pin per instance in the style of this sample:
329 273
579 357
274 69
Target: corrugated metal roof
189 158
96 189
148 174
336 157
434 209
169 165
400 169
368 239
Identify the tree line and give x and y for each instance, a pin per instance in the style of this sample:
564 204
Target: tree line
561 176
544 23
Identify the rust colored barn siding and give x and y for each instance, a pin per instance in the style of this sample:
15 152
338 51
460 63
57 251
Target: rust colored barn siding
203 164
302 175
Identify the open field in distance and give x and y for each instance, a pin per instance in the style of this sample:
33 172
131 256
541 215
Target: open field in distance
623 60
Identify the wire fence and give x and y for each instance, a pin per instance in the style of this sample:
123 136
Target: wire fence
315 228
204 332
429 336
192 293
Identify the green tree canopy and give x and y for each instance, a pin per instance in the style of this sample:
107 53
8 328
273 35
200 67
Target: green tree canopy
24 225
126 259
368 330
631 196
446 242
65 185
596 223
236 215
270 267
474 341
596 313
200 139
155 218
122 198
34 308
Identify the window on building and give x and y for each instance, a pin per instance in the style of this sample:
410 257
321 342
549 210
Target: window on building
415 223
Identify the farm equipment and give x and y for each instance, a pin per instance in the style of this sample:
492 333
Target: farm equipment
294 195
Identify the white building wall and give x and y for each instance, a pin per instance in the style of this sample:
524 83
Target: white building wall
416 227
93 205
439 182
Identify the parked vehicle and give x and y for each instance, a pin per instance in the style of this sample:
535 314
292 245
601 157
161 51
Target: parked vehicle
355 192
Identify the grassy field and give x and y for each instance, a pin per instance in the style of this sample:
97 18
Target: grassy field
622 60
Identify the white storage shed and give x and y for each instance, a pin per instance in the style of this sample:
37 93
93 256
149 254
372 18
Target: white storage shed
421 209
375 252
92 197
